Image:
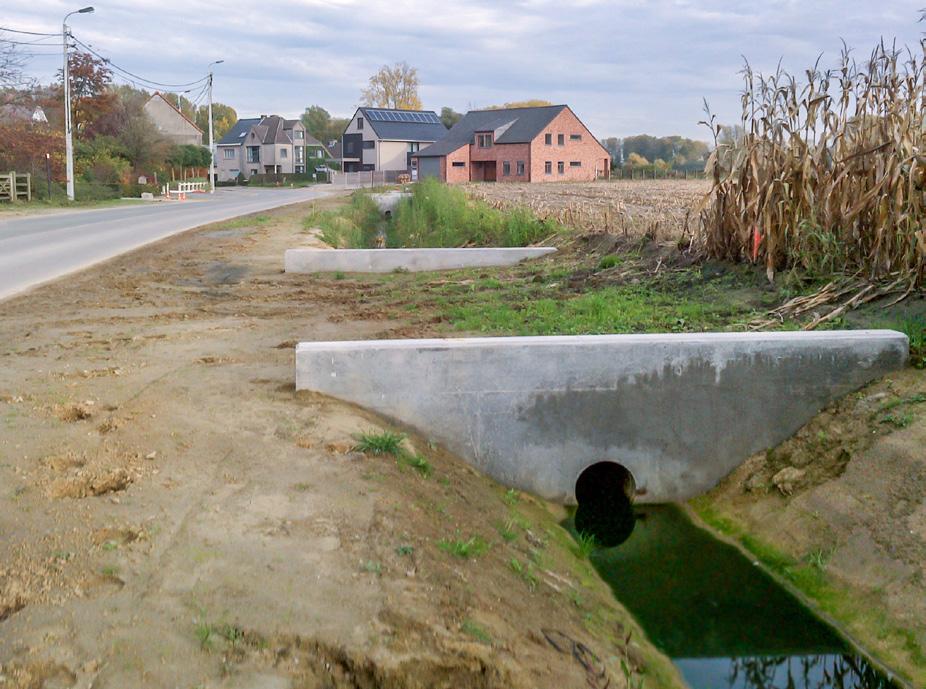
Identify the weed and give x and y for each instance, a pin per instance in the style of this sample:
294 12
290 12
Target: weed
373 567
525 572
405 550
819 558
110 571
474 630
511 497
302 487
110 545
419 463
206 633
898 420
339 275
384 443
609 261
918 398
585 545
506 531
915 330
472 547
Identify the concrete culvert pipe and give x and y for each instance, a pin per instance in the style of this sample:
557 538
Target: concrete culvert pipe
605 492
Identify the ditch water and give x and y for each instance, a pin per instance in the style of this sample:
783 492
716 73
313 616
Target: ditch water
724 622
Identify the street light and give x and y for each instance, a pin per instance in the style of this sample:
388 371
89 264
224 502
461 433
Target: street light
68 142
211 143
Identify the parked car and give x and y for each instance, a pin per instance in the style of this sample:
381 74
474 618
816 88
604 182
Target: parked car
322 168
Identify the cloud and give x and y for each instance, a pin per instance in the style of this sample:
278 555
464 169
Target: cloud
626 66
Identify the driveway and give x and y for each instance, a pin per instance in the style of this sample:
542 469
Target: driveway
38 248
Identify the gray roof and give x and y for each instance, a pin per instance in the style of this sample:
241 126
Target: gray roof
517 125
234 135
432 130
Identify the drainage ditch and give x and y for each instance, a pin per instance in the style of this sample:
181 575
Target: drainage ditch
724 621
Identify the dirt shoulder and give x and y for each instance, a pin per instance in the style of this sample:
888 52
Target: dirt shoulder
173 513
839 513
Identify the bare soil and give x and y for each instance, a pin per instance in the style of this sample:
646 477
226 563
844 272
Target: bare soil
173 513
840 510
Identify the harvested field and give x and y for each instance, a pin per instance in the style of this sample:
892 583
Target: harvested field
666 209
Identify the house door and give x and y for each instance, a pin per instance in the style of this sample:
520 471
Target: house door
488 171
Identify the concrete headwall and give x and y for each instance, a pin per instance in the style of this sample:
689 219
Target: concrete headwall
412 260
679 411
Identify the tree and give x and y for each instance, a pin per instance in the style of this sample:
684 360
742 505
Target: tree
320 124
636 160
142 144
224 118
449 116
393 87
530 103
12 63
91 97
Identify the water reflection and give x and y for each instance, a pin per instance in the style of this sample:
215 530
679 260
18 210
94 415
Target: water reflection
726 623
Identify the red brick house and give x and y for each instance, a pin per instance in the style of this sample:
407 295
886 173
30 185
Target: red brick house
539 144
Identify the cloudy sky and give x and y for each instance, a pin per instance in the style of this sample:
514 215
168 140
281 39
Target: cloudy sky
625 66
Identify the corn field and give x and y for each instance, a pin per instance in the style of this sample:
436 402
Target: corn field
829 174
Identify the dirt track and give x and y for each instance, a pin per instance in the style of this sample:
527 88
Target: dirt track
174 514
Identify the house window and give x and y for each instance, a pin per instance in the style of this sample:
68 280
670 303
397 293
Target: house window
506 168
299 134
575 137
548 168
561 167
369 144
319 153
228 153
484 140
300 169
253 171
520 168
560 139
548 139
349 147
359 123
254 154
414 146
575 163
283 153
458 164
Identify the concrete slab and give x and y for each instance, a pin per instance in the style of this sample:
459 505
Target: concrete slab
412 260
679 411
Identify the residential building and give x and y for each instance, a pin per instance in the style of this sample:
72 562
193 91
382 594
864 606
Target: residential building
263 145
382 139
536 144
172 124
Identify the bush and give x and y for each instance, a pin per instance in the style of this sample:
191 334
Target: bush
133 190
356 226
96 191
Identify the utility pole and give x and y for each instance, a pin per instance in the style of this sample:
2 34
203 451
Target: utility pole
68 141
211 140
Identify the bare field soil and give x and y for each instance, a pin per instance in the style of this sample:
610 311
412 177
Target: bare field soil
663 208
174 514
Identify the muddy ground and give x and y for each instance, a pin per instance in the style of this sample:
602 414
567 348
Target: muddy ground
174 514
839 511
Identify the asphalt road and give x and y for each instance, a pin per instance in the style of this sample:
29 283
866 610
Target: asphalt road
41 247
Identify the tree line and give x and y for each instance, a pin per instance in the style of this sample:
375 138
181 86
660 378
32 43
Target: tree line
115 141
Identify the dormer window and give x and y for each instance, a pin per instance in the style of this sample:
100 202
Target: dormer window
484 140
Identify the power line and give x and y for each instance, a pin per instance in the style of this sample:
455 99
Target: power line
31 33
38 42
135 76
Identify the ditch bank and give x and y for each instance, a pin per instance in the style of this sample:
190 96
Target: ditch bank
174 513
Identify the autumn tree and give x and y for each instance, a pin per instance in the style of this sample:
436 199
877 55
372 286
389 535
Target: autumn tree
91 96
12 63
530 103
393 87
449 116
224 118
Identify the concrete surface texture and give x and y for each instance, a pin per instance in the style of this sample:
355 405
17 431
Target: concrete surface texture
387 201
679 411
412 260
38 247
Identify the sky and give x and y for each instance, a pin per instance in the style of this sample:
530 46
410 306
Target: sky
624 66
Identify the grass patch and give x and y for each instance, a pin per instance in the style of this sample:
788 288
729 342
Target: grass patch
511 497
524 571
417 462
382 443
207 634
585 545
472 629
506 531
464 549
405 550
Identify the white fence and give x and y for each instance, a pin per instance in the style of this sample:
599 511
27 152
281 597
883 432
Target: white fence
184 188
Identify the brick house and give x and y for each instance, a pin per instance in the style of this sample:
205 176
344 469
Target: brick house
384 139
537 144
262 145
